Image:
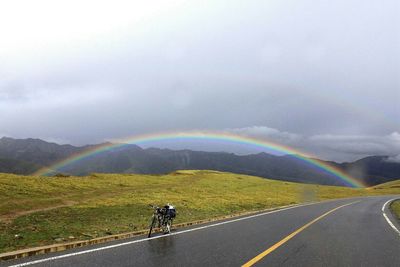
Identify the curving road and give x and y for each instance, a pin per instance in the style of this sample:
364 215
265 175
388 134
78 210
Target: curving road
347 232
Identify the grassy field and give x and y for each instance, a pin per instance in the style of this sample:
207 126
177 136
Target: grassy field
46 210
395 208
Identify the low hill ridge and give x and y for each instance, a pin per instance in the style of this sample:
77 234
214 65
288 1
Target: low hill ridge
24 156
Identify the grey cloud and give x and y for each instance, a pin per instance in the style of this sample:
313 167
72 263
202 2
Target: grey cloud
352 147
12 91
395 159
362 145
307 68
329 146
268 133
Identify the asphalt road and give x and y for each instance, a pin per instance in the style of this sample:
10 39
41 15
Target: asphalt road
348 232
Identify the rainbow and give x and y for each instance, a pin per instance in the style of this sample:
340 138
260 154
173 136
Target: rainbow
207 136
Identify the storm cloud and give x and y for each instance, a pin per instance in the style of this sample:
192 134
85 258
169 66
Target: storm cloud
320 76
328 146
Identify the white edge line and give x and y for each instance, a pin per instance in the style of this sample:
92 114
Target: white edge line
387 218
156 237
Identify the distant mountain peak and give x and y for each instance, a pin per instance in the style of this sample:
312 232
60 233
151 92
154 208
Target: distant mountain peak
5 138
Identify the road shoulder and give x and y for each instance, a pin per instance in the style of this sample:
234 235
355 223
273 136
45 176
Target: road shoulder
391 212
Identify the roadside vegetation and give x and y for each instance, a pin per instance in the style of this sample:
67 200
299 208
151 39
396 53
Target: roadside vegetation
395 208
44 210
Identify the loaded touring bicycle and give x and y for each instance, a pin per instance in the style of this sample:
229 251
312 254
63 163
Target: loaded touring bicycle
162 218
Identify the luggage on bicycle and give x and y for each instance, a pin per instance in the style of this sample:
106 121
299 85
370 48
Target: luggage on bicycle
170 211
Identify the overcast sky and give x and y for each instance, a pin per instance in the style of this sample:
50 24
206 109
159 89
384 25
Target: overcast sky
320 76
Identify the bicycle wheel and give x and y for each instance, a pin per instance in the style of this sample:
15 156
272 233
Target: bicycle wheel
168 227
153 222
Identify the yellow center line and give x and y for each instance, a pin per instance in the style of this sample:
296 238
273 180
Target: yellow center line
284 240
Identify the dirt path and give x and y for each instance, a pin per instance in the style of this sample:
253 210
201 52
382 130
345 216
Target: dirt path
8 218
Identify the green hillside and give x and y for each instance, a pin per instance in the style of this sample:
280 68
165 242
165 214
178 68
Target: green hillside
45 210
388 185
395 208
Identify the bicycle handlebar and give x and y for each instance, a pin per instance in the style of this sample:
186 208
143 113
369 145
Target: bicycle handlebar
153 206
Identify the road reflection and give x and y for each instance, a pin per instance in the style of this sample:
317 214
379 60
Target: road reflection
162 246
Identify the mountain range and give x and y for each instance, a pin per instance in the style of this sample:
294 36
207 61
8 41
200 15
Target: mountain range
25 156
